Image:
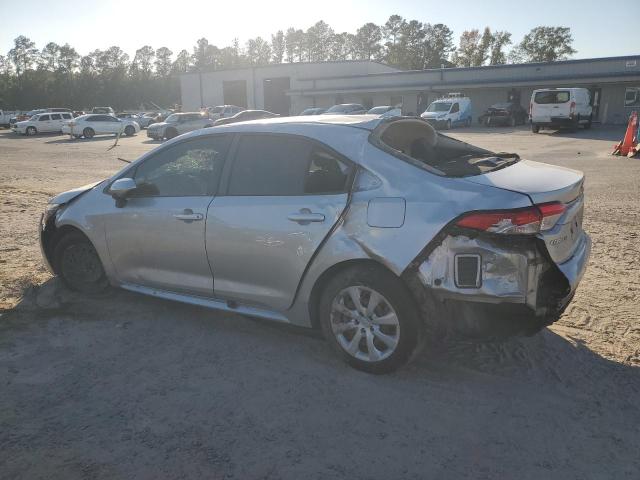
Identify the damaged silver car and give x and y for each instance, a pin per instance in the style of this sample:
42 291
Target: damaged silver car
380 232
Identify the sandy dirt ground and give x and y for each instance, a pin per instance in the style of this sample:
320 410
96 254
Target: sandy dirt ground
127 386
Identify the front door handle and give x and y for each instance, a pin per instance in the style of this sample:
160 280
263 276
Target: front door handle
188 216
306 216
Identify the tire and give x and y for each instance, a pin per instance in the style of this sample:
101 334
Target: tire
375 347
78 265
587 125
170 133
88 132
448 126
535 128
129 131
31 131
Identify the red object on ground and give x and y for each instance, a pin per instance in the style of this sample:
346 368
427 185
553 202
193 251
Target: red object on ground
630 142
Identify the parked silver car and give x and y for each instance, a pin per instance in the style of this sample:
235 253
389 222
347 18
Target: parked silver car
177 124
381 232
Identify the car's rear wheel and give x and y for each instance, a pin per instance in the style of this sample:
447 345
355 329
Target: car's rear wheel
31 131
587 125
78 264
535 128
129 131
370 318
170 133
88 132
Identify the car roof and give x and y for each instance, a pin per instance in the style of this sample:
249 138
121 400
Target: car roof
366 122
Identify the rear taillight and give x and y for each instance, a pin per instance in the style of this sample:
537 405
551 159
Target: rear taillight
522 221
551 213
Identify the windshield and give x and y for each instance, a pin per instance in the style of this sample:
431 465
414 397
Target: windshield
216 110
553 96
379 110
343 108
34 117
173 118
439 107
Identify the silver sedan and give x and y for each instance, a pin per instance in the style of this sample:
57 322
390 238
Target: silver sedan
381 233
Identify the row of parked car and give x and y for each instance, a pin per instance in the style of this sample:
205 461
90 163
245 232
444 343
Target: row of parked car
548 108
564 107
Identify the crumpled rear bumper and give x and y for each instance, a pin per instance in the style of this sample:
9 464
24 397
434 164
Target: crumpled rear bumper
520 289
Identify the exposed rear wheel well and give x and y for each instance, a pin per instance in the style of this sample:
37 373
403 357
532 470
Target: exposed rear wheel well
321 282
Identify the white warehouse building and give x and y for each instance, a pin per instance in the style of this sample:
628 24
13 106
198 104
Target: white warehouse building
289 88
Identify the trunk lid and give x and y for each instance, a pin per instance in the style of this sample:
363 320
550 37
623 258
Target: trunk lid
544 183
540 181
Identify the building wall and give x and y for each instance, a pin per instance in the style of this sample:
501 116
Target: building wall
212 82
325 84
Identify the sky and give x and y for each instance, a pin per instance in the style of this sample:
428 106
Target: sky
178 24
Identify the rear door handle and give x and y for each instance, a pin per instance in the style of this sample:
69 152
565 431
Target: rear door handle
306 217
188 216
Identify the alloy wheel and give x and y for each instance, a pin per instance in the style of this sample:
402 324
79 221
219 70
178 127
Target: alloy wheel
364 323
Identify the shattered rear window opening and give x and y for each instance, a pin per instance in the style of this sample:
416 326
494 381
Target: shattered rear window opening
418 143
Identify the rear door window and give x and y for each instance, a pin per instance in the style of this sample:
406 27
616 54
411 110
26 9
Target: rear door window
55 116
545 98
276 165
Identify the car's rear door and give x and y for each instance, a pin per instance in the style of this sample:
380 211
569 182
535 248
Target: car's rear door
548 104
56 122
158 238
283 196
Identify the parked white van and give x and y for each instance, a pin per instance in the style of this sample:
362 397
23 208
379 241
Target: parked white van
560 108
448 112
42 123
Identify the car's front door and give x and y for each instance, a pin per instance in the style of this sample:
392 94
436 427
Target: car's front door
44 123
157 239
283 196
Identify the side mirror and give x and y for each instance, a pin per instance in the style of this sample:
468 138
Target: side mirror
122 188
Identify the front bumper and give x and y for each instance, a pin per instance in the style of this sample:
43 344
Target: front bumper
436 123
520 289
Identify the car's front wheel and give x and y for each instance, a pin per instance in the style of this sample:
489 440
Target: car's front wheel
78 264
31 131
370 318
129 130
88 132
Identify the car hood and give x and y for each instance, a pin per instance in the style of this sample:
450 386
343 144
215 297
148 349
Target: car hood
23 123
66 197
540 181
433 114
